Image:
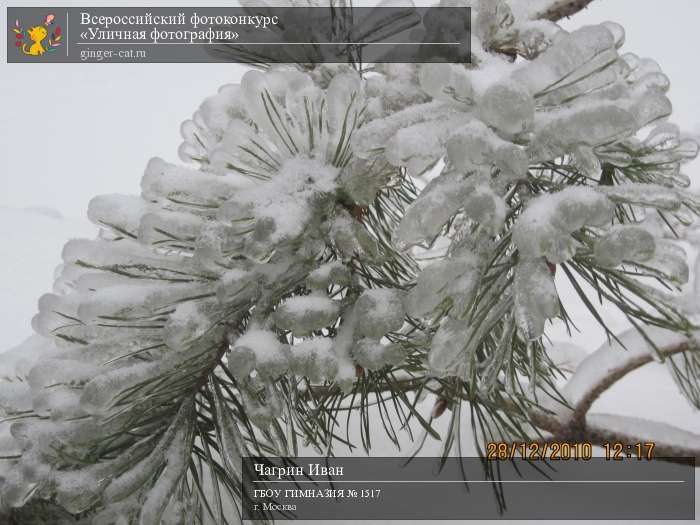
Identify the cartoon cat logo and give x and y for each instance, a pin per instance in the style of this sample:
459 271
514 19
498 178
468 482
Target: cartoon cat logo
37 35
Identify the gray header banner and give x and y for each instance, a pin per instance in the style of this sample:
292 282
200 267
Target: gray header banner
261 34
361 488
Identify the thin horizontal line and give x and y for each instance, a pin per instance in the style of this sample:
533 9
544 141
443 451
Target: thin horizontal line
269 43
484 481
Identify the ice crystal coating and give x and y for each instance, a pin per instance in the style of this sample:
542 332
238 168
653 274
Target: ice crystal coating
448 346
536 298
454 279
313 358
304 314
508 107
373 355
329 274
379 312
624 242
270 356
546 225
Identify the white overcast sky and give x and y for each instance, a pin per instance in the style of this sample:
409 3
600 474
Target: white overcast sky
72 131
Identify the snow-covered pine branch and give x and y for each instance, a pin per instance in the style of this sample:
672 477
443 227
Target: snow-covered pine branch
568 418
240 302
607 365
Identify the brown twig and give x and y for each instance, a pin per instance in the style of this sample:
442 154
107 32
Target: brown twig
586 401
576 426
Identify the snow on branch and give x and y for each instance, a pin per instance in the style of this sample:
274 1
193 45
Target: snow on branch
553 9
597 373
604 367
669 441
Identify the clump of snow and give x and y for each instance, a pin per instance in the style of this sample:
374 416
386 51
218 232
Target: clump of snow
535 296
624 243
509 107
163 181
446 82
121 212
448 346
475 145
670 259
314 359
192 321
334 272
566 355
373 355
455 278
379 311
441 199
231 283
284 204
271 357
132 300
306 313
546 225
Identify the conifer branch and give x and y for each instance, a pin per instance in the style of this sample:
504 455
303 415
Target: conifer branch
576 426
625 365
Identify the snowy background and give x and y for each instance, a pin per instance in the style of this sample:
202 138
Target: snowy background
72 131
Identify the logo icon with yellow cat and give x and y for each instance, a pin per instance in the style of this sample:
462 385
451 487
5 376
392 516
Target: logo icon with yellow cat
38 40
